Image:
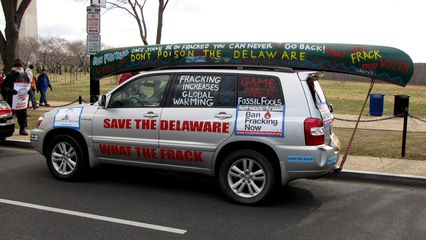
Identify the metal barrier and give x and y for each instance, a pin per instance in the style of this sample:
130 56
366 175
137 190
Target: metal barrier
405 114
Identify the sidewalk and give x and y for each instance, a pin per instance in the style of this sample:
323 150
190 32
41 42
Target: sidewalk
356 163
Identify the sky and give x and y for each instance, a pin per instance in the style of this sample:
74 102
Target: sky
395 23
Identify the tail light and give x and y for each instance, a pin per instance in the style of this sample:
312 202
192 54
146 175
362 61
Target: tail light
314 132
5 111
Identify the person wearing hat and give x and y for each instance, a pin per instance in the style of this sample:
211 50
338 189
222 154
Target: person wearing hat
31 79
43 83
14 76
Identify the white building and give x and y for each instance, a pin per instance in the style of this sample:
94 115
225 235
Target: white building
29 25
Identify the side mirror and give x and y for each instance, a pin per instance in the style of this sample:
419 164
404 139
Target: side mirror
330 106
102 101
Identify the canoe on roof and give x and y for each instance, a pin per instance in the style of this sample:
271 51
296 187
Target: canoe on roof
379 62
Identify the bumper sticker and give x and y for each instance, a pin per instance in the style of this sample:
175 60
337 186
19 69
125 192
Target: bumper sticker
68 117
260 121
301 159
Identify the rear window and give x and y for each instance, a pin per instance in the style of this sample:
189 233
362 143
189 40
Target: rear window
316 91
320 101
259 90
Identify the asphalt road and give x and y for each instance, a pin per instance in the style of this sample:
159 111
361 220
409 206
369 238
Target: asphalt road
306 209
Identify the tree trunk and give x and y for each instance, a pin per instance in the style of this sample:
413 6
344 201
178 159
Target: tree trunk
9 43
160 21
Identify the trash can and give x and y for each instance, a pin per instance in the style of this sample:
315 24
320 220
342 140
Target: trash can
401 102
376 104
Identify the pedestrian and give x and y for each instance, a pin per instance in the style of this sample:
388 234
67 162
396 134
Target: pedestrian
32 79
14 76
125 76
43 83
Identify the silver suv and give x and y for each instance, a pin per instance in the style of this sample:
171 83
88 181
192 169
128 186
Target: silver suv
253 129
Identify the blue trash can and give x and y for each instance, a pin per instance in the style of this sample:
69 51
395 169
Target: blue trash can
377 104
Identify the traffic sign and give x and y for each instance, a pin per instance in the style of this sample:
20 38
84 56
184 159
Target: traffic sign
93 22
100 3
93 43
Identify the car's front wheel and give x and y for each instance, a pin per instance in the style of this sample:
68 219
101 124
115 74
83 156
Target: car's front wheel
65 158
246 177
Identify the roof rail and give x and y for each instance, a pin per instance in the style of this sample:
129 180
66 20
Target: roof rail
224 66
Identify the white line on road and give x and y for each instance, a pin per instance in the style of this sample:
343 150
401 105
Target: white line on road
93 216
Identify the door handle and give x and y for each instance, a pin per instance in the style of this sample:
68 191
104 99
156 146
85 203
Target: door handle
222 115
151 115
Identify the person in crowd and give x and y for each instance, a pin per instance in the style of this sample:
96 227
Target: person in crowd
14 76
125 76
32 79
43 83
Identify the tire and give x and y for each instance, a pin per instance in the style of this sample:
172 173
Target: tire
66 159
251 186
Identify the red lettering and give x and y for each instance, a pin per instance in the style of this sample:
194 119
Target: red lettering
207 127
188 156
164 125
197 156
105 148
107 123
138 122
139 151
172 125
146 153
225 127
196 126
179 155
170 154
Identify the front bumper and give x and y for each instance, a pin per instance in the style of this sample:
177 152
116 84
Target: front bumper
36 138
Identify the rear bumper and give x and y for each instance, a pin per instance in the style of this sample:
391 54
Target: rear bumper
7 130
306 161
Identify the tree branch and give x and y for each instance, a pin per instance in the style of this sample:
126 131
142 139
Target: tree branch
121 7
21 10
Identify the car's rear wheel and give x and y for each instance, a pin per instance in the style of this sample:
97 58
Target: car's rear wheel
65 158
247 177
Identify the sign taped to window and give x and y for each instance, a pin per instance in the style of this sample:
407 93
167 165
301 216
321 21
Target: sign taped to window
68 117
257 120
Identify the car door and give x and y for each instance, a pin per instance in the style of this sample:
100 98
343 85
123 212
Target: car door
199 115
127 129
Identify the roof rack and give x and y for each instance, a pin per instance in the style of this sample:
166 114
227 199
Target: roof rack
224 66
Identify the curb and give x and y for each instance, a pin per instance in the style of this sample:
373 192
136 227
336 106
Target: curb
16 143
379 177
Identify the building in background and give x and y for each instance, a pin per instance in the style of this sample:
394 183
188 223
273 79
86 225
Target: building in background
29 25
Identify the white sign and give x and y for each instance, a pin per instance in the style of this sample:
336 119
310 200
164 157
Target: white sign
20 100
93 43
99 3
68 117
327 117
260 120
93 22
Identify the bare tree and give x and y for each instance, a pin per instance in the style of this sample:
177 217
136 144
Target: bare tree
13 14
136 9
78 57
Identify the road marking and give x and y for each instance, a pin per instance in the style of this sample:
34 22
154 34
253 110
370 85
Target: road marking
94 216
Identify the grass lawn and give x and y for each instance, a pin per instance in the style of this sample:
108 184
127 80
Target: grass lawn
346 97
377 143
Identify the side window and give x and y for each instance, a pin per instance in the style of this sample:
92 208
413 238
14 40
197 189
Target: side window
259 90
143 92
203 90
